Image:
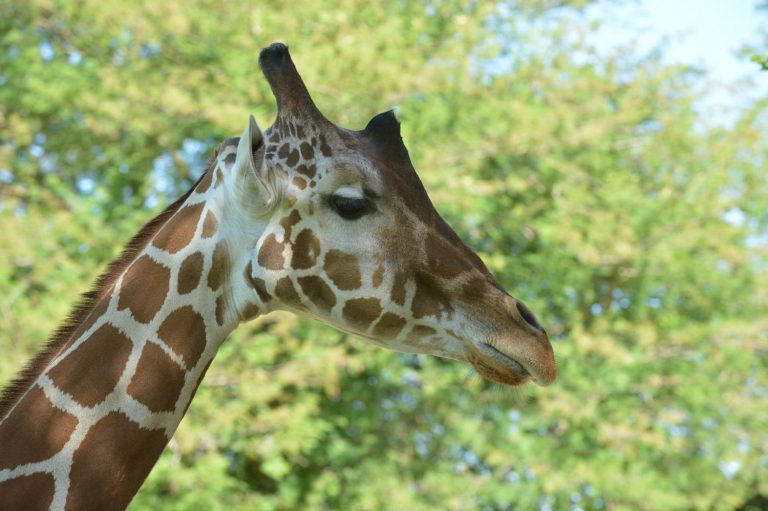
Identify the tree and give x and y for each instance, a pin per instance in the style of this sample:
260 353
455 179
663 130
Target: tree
588 182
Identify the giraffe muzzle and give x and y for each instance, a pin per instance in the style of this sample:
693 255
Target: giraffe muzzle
496 363
519 351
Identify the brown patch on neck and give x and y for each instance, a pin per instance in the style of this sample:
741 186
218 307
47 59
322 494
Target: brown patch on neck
144 288
158 380
189 273
90 373
221 306
205 181
179 231
219 266
34 491
184 332
43 427
210 225
18 386
125 453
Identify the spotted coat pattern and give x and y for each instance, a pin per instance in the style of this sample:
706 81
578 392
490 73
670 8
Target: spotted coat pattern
263 229
133 366
298 269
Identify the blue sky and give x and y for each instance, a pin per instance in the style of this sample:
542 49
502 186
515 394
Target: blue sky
706 32
703 33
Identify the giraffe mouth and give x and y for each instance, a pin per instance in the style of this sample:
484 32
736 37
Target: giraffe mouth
499 367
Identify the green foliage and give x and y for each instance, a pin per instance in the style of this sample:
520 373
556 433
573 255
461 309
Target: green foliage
761 60
587 180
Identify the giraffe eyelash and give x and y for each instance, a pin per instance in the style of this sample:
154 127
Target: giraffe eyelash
350 208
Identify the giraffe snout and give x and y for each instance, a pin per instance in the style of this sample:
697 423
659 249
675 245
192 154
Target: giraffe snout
526 342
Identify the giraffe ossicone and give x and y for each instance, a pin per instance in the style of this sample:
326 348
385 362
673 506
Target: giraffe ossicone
306 216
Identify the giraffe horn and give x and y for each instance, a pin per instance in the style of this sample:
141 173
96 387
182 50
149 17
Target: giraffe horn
287 86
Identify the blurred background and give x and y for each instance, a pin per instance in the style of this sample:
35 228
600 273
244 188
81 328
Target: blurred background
608 160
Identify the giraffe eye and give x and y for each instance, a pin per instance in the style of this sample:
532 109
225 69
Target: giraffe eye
350 208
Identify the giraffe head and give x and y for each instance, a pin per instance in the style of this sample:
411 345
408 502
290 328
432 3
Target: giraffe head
339 227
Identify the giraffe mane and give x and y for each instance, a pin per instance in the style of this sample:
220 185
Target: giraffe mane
17 387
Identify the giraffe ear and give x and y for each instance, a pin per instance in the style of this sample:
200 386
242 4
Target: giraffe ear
250 149
252 186
385 125
385 130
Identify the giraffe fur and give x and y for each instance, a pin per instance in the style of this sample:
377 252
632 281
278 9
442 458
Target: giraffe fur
308 217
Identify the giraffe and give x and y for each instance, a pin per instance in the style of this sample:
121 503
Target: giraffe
306 216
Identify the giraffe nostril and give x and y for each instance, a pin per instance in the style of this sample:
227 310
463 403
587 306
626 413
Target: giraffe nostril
528 316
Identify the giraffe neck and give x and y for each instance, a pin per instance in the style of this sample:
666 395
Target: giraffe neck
87 431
